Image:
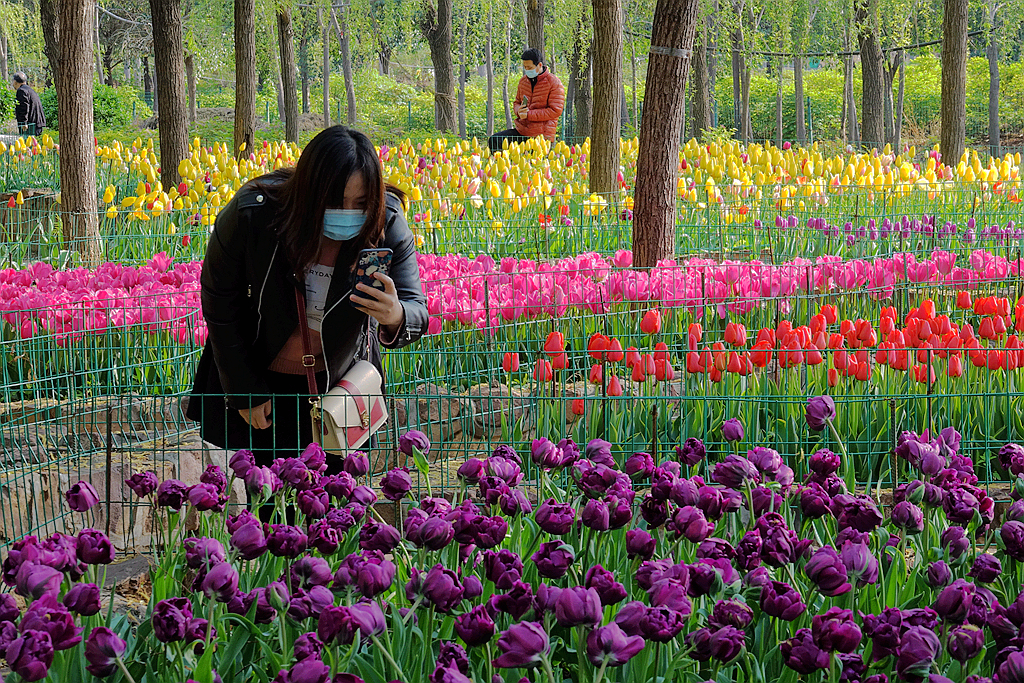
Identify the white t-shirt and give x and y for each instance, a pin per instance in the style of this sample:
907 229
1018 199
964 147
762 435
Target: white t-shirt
318 281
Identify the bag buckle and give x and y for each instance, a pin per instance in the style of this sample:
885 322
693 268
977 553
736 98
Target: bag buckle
308 361
364 419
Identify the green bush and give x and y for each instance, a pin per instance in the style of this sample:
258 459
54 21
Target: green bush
112 107
7 102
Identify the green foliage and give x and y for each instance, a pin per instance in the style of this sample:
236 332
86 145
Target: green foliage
112 106
717 135
6 104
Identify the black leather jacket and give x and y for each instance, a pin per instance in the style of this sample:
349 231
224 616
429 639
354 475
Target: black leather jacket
248 297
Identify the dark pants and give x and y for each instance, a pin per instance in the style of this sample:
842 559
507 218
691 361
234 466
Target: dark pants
28 129
512 135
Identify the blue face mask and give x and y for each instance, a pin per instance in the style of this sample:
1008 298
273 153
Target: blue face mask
530 73
343 224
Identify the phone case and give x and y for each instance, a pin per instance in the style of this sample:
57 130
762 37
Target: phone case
370 262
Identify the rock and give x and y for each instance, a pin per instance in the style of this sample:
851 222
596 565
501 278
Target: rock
439 412
492 405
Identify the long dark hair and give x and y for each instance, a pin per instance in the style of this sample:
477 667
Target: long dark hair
316 183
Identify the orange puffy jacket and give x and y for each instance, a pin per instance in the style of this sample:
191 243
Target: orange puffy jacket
547 99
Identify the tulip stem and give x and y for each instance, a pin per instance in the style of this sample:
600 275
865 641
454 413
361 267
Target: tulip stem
412 611
600 672
547 668
847 463
124 670
391 660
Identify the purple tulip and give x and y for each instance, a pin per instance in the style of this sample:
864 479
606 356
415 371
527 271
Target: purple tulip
396 483
954 601
698 643
661 624
640 543
578 606
335 625
965 642
603 581
735 472
142 483
35 580
856 511
171 494
202 551
83 599
595 515
170 619
356 464
453 658
918 649
379 536
82 496
553 559
691 452
654 512
731 612
248 540
597 451
767 460
819 411
1012 536
339 486
102 648
414 440
836 631
308 645
241 462
442 589
30 655
707 577
727 643
547 596
909 517
206 497
732 430
523 645
471 470
94 547
780 600
610 644
46 614
827 571
515 503
545 454
801 654
368 618
1011 670
639 466
286 541
986 568
313 503
824 462
475 627
861 564
689 522
938 574
434 533
954 540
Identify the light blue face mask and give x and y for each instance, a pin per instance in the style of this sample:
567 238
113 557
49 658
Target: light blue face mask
530 73
343 224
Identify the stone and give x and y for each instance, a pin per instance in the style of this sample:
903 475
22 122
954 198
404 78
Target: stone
493 405
440 412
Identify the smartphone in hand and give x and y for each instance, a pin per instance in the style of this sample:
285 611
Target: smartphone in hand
370 262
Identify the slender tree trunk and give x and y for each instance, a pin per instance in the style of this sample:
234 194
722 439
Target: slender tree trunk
4 76
585 98
168 46
156 89
139 83
713 61
50 26
654 220
872 73
898 115
147 80
953 131
798 96
245 75
304 63
748 132
607 124
280 90
73 81
888 74
190 79
325 40
508 64
737 78
778 106
992 53
97 46
462 70
700 110
346 64
436 26
489 66
632 68
535 25
287 53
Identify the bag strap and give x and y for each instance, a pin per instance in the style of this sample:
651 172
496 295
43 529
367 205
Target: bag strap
308 359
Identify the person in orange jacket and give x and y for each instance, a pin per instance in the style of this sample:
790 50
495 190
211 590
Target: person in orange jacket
539 101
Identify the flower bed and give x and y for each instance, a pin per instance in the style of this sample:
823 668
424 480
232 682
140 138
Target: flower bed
621 568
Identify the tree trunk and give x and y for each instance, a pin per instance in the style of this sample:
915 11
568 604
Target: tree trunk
632 69
73 82
304 64
489 66
700 110
3 57
346 65
97 46
737 78
462 70
748 132
190 80
288 88
778 106
245 75
798 97
535 25
508 64
713 61
872 130
147 80
607 123
325 40
654 219
585 99
49 23
953 129
898 114
169 61
436 26
992 53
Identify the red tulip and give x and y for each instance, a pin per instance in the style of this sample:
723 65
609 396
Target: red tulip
987 329
578 406
638 373
955 367
11 203
926 311
716 375
963 301
542 371
886 326
833 377
767 335
784 328
733 364
555 344
560 362
693 363
813 357
846 327
661 352
664 371
735 334
995 359
1002 306
761 354
614 386
836 341
615 354
863 372
999 324
651 322
830 312
695 330
840 359
818 324
595 375
721 361
632 356
597 347
510 363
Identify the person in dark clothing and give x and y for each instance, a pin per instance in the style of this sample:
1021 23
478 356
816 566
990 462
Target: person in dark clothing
300 229
29 110
539 102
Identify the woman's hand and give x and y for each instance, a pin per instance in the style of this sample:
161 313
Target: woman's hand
383 306
258 417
